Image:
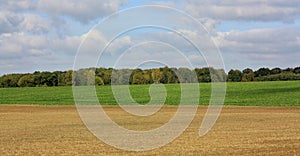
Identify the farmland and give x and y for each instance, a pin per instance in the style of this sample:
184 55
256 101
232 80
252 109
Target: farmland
277 93
58 130
259 118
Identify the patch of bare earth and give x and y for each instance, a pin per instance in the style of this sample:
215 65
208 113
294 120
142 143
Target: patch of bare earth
58 130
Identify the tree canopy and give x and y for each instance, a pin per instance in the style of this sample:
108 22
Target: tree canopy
165 75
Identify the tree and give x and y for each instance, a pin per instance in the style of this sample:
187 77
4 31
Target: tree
68 78
276 70
164 76
61 78
217 75
288 70
262 72
90 77
297 70
98 81
248 75
156 75
234 75
168 75
105 74
45 79
172 77
121 76
81 77
53 80
11 80
1 82
185 75
138 78
26 81
147 77
203 74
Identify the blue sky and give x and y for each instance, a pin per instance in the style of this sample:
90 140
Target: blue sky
45 35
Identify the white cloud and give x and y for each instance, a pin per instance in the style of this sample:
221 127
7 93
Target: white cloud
152 52
35 24
16 5
165 46
260 47
9 21
41 35
20 51
33 37
93 41
83 11
64 46
119 45
276 40
19 45
250 48
253 10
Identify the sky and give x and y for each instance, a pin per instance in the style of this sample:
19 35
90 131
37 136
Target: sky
52 35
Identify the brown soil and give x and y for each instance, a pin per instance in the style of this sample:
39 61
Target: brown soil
58 130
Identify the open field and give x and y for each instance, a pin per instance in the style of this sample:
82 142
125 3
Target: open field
58 130
34 129
277 93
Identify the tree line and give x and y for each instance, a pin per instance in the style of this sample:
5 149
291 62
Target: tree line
165 75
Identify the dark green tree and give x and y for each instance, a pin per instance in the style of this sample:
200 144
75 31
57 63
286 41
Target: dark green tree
11 80
235 75
262 72
288 70
297 70
26 81
203 74
248 75
276 70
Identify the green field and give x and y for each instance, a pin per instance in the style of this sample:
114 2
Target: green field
277 93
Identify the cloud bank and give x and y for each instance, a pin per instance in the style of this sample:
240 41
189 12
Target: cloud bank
45 35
